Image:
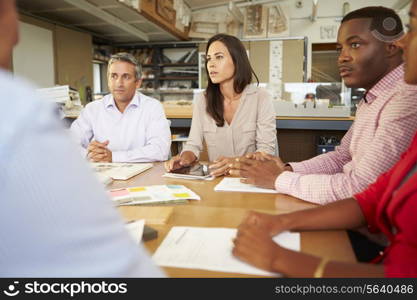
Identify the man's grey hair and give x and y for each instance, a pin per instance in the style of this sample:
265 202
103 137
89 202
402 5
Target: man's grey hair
129 58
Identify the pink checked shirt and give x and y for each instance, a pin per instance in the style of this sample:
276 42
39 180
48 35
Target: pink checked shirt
384 126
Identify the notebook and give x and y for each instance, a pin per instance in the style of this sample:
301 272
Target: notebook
153 194
233 184
120 171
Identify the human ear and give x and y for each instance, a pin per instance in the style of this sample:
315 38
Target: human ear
393 49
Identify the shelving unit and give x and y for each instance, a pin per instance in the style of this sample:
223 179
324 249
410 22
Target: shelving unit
166 75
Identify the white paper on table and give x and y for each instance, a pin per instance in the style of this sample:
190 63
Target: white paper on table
191 177
233 184
135 229
211 249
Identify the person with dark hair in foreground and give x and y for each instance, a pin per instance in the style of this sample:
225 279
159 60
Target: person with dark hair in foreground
55 217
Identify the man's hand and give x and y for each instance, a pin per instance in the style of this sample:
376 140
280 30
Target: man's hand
254 245
272 224
259 173
98 152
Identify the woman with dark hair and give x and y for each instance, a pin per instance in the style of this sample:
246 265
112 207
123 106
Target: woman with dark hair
232 116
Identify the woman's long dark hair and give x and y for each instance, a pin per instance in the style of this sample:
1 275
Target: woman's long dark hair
242 76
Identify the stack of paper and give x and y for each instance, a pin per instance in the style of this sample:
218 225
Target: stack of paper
211 249
153 194
121 171
187 176
230 184
59 94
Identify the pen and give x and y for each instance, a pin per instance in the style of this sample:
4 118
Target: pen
181 236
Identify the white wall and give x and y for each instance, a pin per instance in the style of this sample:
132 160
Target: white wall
33 57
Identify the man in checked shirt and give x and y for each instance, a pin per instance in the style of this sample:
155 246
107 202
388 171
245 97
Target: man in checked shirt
385 122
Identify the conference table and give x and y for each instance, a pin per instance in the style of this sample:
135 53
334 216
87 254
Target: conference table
226 210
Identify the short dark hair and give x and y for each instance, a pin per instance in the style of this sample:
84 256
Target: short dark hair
242 76
386 24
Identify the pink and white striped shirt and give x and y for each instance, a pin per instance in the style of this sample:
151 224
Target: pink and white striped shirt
384 126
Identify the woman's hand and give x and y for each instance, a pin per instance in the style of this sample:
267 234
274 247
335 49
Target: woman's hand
178 161
221 166
262 156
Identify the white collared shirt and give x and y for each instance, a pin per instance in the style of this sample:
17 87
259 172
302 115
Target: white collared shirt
56 219
140 134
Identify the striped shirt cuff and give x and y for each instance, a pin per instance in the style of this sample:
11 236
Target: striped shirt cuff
298 167
285 181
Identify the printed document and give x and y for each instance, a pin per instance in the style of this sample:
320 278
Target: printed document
211 249
233 184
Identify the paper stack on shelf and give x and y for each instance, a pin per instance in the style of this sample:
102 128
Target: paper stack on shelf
63 95
58 94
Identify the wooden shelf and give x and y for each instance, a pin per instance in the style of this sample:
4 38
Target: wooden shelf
176 91
106 20
179 65
179 78
170 65
173 91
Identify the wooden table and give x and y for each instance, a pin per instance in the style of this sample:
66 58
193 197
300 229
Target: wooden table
227 209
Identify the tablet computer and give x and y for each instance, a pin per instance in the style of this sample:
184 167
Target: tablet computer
196 171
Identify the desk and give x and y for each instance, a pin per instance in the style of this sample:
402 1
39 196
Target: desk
297 136
181 118
227 209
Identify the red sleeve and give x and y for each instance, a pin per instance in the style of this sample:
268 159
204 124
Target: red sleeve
368 200
403 262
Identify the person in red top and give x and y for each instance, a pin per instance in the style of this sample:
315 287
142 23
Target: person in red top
388 206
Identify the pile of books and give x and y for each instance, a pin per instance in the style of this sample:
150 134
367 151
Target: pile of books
67 98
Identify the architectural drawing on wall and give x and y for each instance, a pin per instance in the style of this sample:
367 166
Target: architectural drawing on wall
210 28
205 25
255 21
210 22
183 14
275 70
165 8
278 22
328 32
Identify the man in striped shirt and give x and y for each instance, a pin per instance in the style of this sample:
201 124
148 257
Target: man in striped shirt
385 122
